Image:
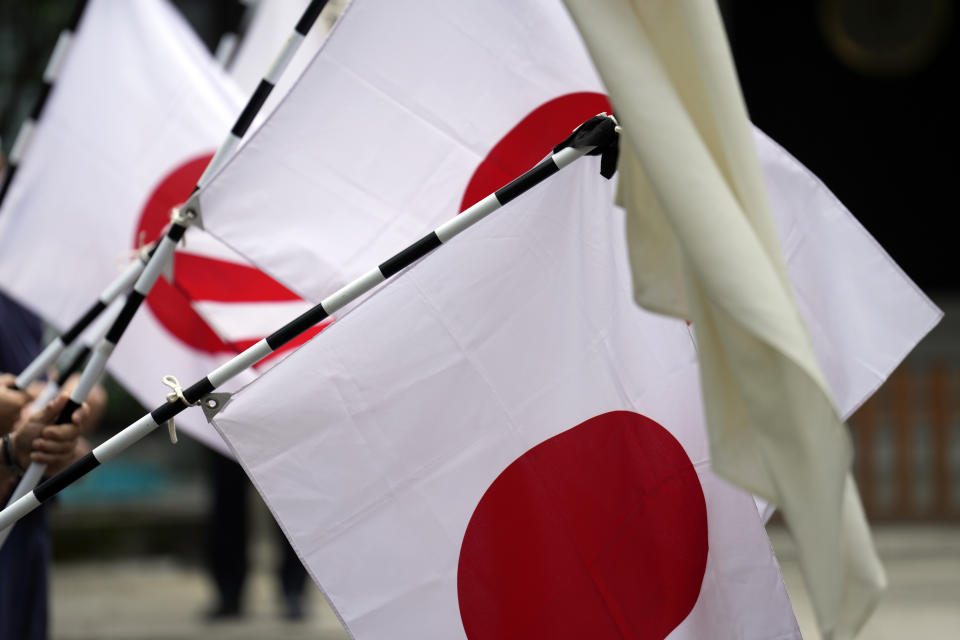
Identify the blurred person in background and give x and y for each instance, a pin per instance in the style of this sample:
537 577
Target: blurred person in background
30 436
228 542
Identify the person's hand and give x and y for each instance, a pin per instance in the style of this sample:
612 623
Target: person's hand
12 403
38 440
35 388
96 400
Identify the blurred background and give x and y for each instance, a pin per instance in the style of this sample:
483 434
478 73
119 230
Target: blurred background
857 90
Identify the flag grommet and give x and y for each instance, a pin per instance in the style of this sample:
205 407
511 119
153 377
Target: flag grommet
191 209
213 403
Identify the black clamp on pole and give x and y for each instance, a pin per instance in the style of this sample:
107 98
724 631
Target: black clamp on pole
601 132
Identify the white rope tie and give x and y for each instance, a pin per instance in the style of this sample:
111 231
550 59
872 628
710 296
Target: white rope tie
173 396
184 218
142 252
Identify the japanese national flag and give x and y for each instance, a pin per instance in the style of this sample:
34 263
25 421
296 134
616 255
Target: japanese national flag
135 115
412 111
409 113
500 444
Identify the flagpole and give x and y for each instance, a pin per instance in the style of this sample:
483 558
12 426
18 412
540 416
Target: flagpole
36 470
181 219
20 146
50 75
135 276
52 351
307 19
143 276
600 133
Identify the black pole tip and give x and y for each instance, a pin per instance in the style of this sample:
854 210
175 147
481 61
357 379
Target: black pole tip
600 132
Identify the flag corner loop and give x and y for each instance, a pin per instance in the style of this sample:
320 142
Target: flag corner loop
213 403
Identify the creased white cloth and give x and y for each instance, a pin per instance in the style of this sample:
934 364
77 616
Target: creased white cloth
704 246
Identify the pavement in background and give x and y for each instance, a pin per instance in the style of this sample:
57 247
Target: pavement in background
922 601
160 600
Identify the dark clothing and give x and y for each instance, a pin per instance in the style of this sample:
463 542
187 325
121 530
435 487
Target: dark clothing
24 565
227 544
25 557
20 334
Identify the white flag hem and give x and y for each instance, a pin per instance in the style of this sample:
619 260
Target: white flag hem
818 186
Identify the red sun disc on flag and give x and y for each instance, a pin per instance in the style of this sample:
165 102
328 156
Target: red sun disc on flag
531 140
198 278
599 532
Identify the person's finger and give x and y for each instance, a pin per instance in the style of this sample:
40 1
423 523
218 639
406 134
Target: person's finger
35 388
50 412
14 398
13 404
57 462
61 433
54 461
71 383
7 380
81 416
55 447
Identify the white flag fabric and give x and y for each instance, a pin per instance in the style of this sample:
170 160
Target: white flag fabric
383 138
501 444
270 25
385 128
411 111
704 247
138 110
864 315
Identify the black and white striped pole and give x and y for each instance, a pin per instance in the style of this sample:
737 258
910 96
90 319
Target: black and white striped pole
307 19
181 219
50 74
126 279
164 251
39 365
143 274
135 273
597 136
141 287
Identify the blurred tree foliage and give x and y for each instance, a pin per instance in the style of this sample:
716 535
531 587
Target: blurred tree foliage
29 31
